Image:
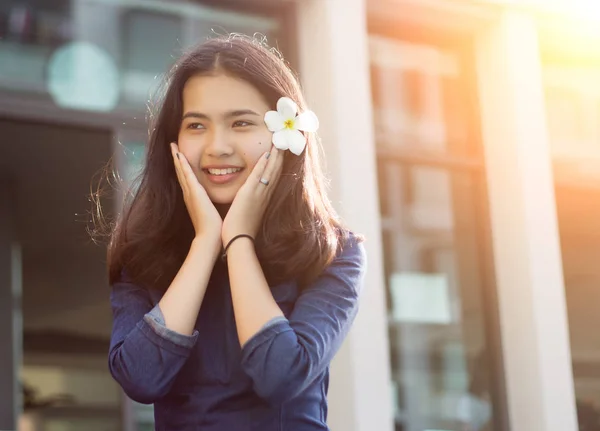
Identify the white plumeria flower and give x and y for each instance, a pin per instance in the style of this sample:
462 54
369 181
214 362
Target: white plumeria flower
287 126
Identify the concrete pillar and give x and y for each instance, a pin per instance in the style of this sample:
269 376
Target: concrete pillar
528 265
334 71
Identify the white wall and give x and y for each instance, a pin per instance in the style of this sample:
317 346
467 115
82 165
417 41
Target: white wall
528 264
334 70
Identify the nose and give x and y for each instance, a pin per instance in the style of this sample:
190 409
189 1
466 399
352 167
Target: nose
219 145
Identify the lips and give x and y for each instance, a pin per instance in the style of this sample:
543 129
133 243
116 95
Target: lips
222 174
223 171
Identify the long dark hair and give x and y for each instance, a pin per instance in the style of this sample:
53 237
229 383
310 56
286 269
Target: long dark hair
301 232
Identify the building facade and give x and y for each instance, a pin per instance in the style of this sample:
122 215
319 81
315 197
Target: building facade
461 137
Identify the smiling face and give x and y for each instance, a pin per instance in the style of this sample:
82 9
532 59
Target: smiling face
222 132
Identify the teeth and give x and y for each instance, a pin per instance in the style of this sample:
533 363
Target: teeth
223 171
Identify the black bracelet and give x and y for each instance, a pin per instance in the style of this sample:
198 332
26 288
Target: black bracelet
243 235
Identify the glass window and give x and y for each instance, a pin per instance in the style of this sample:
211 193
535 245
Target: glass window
150 42
430 201
436 313
420 98
150 38
100 55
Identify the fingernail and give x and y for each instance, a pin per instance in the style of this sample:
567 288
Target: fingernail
268 155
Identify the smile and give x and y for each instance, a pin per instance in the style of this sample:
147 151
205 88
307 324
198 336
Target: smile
224 171
222 176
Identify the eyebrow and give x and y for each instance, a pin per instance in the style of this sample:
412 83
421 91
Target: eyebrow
229 114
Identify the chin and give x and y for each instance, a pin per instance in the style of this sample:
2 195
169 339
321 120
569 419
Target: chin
221 198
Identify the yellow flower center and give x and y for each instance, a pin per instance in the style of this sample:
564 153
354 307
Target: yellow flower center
289 124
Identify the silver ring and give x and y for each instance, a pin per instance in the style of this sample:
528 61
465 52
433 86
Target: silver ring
264 181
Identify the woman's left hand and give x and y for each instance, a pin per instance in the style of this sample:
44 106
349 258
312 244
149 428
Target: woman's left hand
247 210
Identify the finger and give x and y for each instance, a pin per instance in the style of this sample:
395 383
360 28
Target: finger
191 181
179 169
270 172
177 164
260 166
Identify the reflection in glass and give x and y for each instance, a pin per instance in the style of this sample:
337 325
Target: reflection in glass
419 96
436 314
431 237
83 76
106 55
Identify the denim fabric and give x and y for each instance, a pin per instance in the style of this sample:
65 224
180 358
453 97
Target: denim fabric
277 381
156 320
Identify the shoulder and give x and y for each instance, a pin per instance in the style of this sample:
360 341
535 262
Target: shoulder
351 251
348 267
124 290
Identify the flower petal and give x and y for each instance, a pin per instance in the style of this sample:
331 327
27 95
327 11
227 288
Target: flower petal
280 139
274 121
307 121
296 140
287 108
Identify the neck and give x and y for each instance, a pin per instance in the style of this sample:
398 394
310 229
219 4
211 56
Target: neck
222 209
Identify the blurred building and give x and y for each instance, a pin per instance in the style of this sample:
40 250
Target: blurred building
462 137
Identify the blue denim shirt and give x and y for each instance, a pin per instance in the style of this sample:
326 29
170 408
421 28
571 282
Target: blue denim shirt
277 381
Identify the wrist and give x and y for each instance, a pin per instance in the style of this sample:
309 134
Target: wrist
235 241
207 242
226 238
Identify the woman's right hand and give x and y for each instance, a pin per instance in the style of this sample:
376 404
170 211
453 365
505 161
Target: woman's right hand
205 217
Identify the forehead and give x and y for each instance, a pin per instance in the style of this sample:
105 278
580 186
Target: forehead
220 93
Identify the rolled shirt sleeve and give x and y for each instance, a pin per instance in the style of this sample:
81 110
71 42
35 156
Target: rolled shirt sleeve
145 356
156 320
287 355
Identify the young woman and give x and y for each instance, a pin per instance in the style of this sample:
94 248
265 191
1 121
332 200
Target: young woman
233 282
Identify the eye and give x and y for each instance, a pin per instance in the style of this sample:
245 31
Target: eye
242 123
195 126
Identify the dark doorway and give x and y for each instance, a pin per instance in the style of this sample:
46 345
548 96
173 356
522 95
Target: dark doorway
48 171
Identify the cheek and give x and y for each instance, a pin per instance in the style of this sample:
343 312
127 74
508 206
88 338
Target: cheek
254 152
191 149
187 144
